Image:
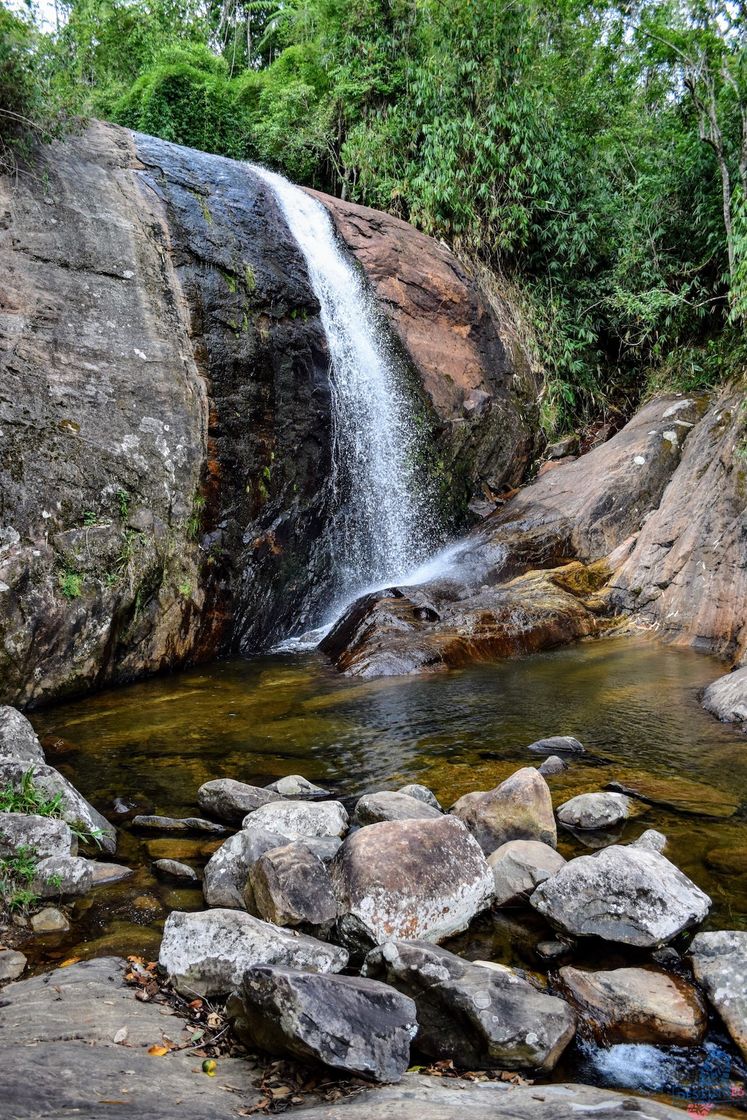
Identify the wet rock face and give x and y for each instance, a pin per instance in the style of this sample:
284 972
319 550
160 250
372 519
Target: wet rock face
472 368
631 895
720 966
475 1016
354 1025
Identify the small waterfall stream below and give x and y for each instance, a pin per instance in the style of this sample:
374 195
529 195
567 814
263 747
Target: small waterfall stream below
383 521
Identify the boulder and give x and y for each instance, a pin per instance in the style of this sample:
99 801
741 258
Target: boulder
726 698
324 847
292 887
389 806
225 880
356 1026
49 920
553 764
173 869
423 879
720 966
519 866
104 874
298 788
298 819
231 800
625 894
421 793
207 953
60 876
641 1005
518 809
12 964
557 744
652 839
73 806
475 1016
18 740
594 810
44 835
152 823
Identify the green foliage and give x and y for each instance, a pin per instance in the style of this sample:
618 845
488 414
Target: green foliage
17 873
28 112
26 797
71 584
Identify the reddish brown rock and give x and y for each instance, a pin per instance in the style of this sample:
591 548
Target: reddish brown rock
518 809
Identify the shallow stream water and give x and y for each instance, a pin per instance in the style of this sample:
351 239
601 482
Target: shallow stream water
633 703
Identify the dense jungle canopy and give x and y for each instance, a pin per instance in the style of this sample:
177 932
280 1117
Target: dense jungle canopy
593 154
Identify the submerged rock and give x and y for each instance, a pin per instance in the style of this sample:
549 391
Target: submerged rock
720 966
292 887
226 876
557 744
421 793
298 819
44 835
18 740
207 953
153 823
298 788
423 879
518 809
595 810
231 800
630 895
519 866
389 806
104 874
479 1017
726 698
353 1025
173 869
636 1005
680 794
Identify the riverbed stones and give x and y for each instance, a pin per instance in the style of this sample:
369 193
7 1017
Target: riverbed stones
421 793
519 866
225 880
720 967
390 806
62 876
557 744
12 964
420 879
49 920
478 1017
18 740
680 794
625 894
350 1024
292 887
298 788
45 836
230 800
152 823
73 806
207 953
639 1005
726 698
173 869
299 819
518 809
594 810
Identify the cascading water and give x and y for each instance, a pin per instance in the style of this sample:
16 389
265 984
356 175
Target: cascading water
382 526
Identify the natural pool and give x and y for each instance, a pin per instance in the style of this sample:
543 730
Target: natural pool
633 703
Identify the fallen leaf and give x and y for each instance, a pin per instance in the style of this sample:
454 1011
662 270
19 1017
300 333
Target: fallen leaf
158 1051
121 1035
68 962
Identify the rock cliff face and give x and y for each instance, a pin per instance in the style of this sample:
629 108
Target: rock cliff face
164 408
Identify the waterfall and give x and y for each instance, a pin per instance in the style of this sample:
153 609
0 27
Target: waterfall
382 527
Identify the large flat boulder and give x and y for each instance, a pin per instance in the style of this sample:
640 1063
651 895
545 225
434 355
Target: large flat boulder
356 1026
207 953
420 879
720 966
518 809
627 894
475 1016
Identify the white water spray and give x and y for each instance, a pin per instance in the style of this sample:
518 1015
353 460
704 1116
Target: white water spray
382 527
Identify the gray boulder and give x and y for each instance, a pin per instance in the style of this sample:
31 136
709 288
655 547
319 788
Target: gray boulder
44 835
519 866
518 809
422 879
557 744
594 810
173 869
49 920
422 793
357 1026
207 953
652 839
225 880
62 876
230 800
726 698
625 894
73 806
324 847
388 806
479 1017
18 740
292 887
298 788
720 966
552 765
12 963
298 819
152 823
